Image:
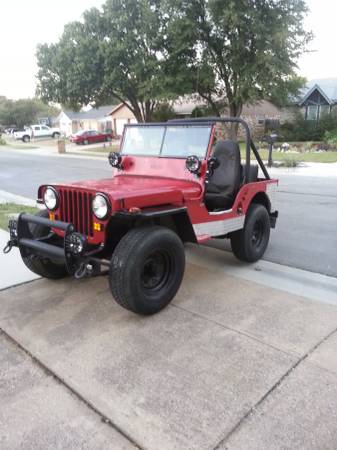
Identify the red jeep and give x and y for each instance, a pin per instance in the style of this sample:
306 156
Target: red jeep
172 183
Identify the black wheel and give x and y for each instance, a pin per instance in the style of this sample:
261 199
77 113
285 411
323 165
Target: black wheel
56 135
147 268
39 265
250 243
26 138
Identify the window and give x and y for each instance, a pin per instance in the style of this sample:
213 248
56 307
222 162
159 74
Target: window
37 128
143 140
44 128
186 141
324 110
167 141
312 112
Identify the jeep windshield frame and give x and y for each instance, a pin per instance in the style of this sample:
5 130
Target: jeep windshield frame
167 140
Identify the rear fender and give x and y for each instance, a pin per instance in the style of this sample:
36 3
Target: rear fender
268 202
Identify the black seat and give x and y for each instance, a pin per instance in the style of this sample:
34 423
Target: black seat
253 173
225 181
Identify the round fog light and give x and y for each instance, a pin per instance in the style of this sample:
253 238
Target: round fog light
76 243
193 164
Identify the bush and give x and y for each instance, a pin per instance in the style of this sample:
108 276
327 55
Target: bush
291 162
300 129
2 141
330 137
163 112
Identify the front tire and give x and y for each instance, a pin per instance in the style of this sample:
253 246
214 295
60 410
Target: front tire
26 138
250 243
56 135
147 268
38 264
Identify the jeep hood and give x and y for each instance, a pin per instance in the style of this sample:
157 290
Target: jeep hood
127 191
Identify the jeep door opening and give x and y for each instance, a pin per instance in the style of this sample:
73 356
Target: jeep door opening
172 183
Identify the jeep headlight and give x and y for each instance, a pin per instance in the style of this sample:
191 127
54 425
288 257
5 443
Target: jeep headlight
50 198
100 206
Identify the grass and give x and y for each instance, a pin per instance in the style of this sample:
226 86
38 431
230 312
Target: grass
8 209
16 145
319 157
108 148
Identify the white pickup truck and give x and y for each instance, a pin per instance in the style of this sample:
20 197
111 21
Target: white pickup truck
37 131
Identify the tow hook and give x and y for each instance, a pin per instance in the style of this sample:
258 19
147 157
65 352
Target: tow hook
85 270
10 244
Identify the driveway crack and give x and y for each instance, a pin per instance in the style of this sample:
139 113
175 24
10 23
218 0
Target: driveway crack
271 390
104 418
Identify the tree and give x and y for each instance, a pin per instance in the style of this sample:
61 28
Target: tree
23 111
246 50
119 52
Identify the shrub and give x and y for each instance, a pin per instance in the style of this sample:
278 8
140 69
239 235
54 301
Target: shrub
330 137
2 141
300 129
163 112
290 162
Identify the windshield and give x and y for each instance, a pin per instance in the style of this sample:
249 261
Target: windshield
166 141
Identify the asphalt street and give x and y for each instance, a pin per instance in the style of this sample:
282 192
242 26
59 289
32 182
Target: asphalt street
305 236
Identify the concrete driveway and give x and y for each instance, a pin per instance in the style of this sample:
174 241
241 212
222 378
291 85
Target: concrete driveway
230 364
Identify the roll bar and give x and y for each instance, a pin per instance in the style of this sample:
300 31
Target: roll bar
249 143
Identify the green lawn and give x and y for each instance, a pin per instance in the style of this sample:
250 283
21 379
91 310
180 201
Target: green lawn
7 209
107 149
17 145
323 157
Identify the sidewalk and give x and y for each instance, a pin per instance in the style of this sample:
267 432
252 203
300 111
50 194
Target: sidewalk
231 364
13 271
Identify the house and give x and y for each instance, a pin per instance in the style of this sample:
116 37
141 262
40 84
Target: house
119 116
318 97
260 116
98 119
111 117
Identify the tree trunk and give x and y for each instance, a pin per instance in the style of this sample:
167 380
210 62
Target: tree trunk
235 110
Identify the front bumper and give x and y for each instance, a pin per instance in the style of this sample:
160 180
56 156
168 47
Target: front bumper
52 246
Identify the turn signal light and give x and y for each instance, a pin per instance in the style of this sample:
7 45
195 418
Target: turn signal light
51 216
97 226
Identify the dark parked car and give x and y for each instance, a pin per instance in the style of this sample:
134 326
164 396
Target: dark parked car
91 137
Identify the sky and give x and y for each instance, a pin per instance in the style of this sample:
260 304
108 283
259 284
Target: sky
24 24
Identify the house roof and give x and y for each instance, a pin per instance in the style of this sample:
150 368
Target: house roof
91 114
185 104
327 87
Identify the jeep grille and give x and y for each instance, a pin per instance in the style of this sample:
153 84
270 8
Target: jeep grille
75 208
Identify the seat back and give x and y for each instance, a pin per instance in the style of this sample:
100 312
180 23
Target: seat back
225 179
253 173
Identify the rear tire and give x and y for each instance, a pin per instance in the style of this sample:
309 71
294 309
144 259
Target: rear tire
26 138
56 135
44 266
147 268
250 243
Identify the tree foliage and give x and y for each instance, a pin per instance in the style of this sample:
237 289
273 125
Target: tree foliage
23 111
142 52
117 52
246 50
